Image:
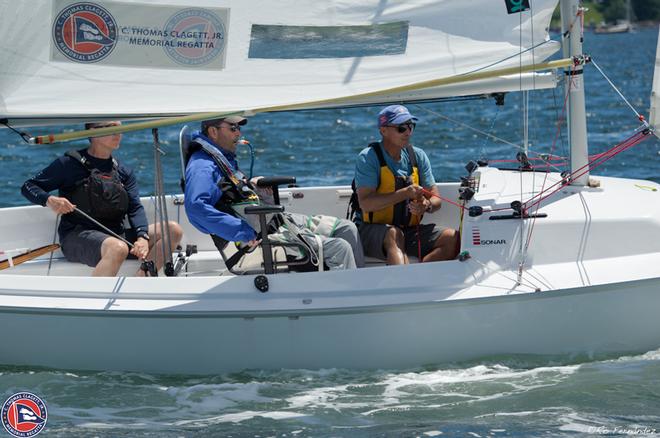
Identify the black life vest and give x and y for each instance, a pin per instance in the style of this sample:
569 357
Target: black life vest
397 214
101 194
236 189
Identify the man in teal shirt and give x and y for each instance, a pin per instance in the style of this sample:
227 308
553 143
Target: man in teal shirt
395 188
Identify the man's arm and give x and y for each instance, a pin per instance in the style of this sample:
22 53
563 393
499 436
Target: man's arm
367 170
202 193
371 200
37 188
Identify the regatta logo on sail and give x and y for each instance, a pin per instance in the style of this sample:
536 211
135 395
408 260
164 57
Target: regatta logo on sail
516 6
195 37
24 415
85 32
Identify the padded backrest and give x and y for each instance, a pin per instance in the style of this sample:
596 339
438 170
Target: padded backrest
185 137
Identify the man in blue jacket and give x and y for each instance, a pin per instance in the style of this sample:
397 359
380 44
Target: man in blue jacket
215 185
95 182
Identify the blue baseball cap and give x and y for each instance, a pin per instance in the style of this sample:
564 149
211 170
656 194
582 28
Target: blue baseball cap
394 115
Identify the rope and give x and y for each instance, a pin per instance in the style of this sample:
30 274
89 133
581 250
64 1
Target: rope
428 192
592 164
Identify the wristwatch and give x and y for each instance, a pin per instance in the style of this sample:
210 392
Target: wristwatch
145 236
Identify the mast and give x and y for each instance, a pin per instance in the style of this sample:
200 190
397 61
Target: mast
577 119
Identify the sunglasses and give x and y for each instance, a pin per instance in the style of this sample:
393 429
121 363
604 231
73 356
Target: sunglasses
110 125
233 127
403 127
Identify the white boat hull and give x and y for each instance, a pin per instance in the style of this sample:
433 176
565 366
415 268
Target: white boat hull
592 320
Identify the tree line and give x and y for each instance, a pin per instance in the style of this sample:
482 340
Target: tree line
642 10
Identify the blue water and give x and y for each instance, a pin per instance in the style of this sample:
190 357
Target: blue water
508 396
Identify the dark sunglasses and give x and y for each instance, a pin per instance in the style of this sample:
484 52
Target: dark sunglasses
403 127
104 126
233 127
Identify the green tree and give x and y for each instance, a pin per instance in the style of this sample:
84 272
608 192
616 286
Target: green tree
643 10
646 9
614 10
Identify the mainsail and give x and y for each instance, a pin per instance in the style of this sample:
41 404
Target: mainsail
62 59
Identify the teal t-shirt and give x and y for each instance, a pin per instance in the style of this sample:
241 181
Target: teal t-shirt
367 167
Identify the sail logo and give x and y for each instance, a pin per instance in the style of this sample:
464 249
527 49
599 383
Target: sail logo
478 241
516 6
195 37
85 32
24 415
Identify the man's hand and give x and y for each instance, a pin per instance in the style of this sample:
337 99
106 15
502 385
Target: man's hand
140 248
419 207
60 205
264 193
253 243
414 191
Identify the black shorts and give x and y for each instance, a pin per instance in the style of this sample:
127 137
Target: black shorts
82 245
373 235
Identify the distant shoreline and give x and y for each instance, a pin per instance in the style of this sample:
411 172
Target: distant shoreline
647 24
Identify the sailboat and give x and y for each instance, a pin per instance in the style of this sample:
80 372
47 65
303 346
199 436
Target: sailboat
621 26
587 283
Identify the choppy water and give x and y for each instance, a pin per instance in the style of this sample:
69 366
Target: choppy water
508 396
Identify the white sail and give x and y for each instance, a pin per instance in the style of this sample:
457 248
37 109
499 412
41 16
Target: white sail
61 59
655 96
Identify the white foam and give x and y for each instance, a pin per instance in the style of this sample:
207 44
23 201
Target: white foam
214 397
238 417
432 433
443 383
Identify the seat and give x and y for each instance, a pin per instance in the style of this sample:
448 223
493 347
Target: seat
270 262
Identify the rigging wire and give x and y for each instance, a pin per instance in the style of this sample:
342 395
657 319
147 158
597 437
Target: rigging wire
579 16
522 149
24 135
162 216
639 116
482 151
554 143
50 258
465 125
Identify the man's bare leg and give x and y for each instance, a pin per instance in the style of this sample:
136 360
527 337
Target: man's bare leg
113 254
394 245
445 248
156 243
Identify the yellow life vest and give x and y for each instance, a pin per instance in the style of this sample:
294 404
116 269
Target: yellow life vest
397 214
